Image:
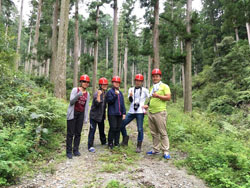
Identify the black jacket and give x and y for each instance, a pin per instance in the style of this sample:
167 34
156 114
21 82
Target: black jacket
98 109
115 102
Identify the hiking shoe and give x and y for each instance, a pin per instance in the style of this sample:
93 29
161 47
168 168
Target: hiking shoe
152 152
69 155
166 156
92 149
77 153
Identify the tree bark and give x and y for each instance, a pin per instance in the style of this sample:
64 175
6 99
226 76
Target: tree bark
188 63
133 73
47 68
60 84
0 7
85 49
19 35
248 31
115 47
95 52
26 67
53 66
76 46
236 34
107 53
125 67
145 79
156 59
120 66
149 71
34 49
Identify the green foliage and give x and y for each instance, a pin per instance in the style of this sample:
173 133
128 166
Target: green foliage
32 124
216 150
114 184
225 85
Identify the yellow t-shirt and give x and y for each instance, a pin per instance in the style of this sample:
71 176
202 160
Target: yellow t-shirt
156 104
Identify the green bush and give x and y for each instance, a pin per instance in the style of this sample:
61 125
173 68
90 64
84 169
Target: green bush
217 151
32 124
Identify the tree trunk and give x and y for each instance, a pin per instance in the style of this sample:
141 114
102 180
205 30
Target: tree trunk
132 73
85 49
107 53
188 63
149 70
0 7
174 81
95 52
156 59
52 68
115 47
236 34
248 31
19 35
120 66
34 49
60 84
47 68
145 79
76 46
26 67
125 67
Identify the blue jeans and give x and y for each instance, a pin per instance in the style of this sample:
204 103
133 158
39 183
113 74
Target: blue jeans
139 121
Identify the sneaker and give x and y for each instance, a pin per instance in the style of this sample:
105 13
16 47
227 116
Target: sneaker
69 155
77 153
166 156
152 152
92 149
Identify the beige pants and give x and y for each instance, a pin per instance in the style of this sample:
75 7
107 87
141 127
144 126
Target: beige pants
157 124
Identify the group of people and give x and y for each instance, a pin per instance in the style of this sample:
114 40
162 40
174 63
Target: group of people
141 100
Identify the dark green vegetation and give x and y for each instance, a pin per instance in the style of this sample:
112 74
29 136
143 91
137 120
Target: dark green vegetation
32 122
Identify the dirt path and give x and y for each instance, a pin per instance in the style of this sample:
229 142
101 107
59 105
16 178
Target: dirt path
96 170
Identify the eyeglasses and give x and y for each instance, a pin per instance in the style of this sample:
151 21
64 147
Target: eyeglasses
85 82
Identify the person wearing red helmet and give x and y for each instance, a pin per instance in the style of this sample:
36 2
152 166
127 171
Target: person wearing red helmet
77 114
116 112
137 96
157 114
97 114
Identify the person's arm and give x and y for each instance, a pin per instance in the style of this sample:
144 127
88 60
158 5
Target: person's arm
130 95
86 110
97 98
123 107
110 97
166 97
74 96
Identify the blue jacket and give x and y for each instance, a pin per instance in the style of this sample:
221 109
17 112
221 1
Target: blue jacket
115 102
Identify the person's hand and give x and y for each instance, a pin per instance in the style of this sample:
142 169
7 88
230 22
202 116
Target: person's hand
123 116
145 107
131 94
155 95
117 92
99 92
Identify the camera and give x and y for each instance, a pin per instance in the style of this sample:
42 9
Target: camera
136 106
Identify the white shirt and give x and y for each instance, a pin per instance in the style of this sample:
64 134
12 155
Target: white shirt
138 99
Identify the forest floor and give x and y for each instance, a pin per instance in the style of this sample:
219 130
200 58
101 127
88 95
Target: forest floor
121 167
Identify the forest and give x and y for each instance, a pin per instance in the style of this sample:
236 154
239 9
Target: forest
204 56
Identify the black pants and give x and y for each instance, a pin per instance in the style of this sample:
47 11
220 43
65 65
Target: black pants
114 130
74 129
92 130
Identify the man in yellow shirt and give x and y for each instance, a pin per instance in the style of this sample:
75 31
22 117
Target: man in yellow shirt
157 114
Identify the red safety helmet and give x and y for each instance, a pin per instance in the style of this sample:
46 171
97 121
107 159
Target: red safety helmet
156 71
139 77
103 81
84 77
116 79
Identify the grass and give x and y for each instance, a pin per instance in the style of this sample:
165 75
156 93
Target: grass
215 154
